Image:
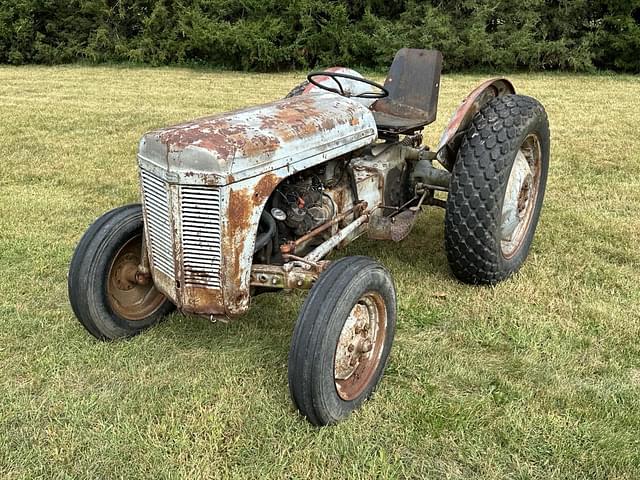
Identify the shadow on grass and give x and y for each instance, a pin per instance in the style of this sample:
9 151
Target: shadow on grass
262 336
268 324
421 252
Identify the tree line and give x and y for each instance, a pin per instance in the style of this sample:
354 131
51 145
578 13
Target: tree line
268 35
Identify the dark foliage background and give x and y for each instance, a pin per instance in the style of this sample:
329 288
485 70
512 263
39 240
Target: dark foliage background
577 35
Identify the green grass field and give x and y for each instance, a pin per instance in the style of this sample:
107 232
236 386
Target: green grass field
538 377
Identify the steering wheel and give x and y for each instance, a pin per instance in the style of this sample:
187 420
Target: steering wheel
340 90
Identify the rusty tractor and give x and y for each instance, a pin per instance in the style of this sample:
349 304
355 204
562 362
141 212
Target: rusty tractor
252 201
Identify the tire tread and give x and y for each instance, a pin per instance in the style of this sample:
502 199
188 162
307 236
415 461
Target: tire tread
478 181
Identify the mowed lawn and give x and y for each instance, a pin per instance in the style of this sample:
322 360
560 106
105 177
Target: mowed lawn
538 377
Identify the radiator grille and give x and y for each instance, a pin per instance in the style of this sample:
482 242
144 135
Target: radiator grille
156 203
200 216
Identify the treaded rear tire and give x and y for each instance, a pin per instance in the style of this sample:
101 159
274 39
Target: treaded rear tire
312 375
478 184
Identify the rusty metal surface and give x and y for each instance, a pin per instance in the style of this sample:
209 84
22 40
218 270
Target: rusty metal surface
360 346
483 93
296 132
521 193
275 276
240 158
291 246
413 83
131 296
394 228
323 249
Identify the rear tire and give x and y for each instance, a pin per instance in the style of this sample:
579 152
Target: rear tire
103 297
497 188
342 339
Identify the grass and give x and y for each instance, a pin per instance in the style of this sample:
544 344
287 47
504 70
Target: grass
538 377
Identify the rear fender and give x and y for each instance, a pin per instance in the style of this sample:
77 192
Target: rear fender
461 119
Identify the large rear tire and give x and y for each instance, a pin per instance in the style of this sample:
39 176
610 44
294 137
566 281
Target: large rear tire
342 339
497 188
103 292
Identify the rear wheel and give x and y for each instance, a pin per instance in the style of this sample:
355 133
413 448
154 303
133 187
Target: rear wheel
108 295
342 339
497 188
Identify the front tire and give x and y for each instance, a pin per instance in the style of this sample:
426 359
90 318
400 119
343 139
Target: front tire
496 190
342 339
103 291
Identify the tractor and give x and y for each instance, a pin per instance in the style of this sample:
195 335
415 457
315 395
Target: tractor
251 201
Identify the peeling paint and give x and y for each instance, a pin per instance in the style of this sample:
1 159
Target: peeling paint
243 156
483 93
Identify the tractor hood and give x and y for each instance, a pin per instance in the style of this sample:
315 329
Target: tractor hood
233 146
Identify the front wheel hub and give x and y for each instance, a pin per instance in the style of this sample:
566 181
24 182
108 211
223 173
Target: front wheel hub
131 294
360 346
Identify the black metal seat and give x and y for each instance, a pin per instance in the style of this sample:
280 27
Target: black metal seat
413 83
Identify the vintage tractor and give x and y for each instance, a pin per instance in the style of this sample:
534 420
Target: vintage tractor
252 201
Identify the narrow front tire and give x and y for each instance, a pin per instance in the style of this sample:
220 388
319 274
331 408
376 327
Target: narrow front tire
107 294
342 339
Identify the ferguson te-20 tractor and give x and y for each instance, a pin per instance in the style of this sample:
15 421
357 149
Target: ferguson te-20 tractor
253 201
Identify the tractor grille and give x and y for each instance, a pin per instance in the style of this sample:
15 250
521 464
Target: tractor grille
199 210
200 217
156 203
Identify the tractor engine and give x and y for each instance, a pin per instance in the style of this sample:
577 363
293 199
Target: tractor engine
303 205
304 202
310 199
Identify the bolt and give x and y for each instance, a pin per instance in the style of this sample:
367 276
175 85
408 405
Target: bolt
263 278
274 280
299 283
142 278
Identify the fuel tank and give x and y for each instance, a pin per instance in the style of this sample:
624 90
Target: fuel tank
296 132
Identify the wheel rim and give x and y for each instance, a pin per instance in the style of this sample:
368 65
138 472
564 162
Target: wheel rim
128 298
520 196
360 346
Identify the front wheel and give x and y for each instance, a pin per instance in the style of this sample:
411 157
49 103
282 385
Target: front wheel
342 339
107 294
496 191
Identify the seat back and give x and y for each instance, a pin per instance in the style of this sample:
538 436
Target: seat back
413 83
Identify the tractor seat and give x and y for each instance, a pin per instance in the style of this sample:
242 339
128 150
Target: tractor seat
413 83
